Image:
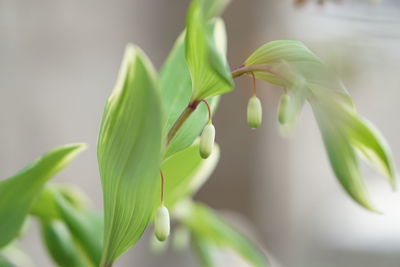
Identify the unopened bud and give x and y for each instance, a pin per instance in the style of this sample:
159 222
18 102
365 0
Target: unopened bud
283 109
161 223
207 141
254 112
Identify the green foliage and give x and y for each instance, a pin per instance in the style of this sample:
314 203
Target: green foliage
145 130
291 65
210 233
129 154
176 94
85 226
19 191
205 54
344 134
60 244
186 172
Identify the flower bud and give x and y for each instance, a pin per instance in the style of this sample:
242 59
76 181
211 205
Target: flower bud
161 223
254 112
207 141
283 109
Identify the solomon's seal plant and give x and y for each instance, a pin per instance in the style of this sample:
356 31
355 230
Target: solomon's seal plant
148 149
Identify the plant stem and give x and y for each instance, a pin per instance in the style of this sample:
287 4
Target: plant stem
251 69
193 105
181 120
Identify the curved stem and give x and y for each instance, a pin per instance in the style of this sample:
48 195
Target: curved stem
209 110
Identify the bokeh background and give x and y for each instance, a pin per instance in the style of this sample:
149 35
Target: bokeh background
58 64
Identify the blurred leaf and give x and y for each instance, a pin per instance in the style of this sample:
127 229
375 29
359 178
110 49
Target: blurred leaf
60 244
214 8
86 228
293 66
185 172
129 154
45 206
204 251
19 191
344 133
205 54
209 230
4 262
371 144
12 255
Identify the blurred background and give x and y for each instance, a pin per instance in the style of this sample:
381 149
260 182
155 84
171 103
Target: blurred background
58 64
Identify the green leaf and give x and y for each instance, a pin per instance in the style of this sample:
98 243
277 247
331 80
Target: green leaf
185 172
60 244
276 51
86 228
344 133
176 94
45 206
4 262
204 250
13 256
214 8
371 144
20 191
205 54
209 229
129 154
175 84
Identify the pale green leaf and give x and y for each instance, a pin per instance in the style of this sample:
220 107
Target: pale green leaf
205 55
214 8
129 154
20 191
185 172
343 159
372 145
281 50
45 206
345 133
207 227
204 250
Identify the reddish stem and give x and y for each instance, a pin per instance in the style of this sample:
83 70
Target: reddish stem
209 109
254 83
162 187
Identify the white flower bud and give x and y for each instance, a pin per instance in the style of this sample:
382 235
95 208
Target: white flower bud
161 223
254 112
207 141
283 109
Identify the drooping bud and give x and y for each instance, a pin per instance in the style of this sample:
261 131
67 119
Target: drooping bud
283 109
207 141
161 223
254 112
